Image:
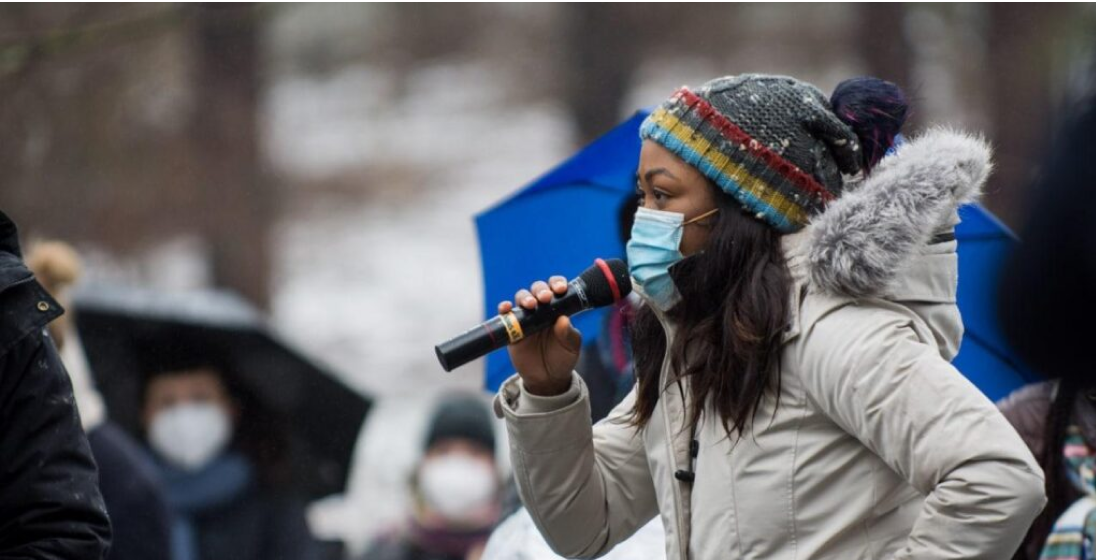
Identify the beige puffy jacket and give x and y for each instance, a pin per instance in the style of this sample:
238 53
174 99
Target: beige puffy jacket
878 449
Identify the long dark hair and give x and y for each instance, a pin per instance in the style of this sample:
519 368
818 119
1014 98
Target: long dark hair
735 294
730 320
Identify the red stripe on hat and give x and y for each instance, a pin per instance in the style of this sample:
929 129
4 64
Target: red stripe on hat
775 161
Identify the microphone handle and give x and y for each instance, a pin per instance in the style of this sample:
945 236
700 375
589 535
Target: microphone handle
504 330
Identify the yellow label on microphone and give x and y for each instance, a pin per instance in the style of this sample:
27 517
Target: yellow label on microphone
513 328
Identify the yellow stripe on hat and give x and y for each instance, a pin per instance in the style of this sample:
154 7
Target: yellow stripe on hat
729 168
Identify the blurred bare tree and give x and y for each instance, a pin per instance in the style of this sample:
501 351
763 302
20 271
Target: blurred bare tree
85 157
1021 105
124 126
886 48
604 45
127 125
239 203
600 54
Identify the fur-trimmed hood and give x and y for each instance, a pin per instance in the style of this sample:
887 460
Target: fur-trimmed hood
877 240
867 238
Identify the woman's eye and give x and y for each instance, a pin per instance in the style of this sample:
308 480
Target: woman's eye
659 197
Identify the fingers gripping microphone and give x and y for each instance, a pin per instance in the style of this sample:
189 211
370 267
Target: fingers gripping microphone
603 283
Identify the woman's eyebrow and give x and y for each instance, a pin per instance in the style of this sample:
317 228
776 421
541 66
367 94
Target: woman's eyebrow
657 171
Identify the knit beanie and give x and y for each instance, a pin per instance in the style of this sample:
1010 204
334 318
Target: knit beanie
776 144
461 417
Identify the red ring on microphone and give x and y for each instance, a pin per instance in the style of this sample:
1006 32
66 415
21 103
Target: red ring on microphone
608 272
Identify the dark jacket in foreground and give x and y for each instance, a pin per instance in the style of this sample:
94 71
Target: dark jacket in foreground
50 505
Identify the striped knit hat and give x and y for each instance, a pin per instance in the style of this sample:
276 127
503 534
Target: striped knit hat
772 142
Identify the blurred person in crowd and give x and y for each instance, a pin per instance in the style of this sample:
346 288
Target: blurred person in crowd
794 394
127 478
218 461
1047 312
455 489
50 504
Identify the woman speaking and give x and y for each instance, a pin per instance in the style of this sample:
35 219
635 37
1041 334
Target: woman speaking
795 398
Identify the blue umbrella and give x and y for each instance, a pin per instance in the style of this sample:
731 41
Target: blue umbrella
558 224
561 222
985 357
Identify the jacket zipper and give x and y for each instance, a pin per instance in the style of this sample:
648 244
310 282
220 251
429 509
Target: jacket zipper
679 503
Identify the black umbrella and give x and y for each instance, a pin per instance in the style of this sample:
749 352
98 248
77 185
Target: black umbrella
127 333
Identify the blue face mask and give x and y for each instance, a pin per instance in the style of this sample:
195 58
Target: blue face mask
655 246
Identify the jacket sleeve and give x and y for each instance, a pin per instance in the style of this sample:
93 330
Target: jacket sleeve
133 495
871 369
50 505
586 487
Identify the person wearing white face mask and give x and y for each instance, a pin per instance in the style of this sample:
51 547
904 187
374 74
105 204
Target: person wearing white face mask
456 489
222 508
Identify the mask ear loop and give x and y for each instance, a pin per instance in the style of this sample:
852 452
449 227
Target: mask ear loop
700 217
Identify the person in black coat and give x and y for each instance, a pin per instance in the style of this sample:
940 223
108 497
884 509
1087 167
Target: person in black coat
127 477
50 504
133 495
209 450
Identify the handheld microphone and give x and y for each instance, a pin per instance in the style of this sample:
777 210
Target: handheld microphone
603 283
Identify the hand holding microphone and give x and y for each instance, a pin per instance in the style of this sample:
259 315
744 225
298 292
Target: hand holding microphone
543 345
